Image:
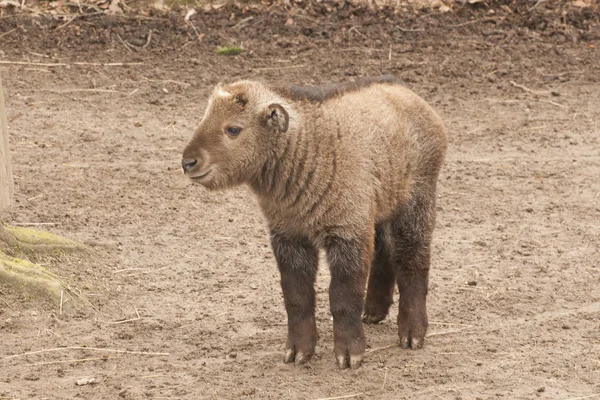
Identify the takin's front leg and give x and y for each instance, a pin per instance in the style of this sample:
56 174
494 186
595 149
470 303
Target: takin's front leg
349 263
297 260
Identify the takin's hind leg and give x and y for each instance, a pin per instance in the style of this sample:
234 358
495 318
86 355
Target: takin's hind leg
382 278
411 255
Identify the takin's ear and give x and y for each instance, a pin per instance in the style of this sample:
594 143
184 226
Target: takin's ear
276 117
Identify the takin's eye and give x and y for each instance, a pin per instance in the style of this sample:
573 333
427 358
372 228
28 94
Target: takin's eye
233 131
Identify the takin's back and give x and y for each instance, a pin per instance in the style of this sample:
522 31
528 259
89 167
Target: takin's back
391 142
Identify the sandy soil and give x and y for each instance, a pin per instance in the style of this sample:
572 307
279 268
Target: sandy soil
515 285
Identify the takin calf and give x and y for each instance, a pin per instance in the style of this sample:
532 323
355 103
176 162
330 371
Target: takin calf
348 168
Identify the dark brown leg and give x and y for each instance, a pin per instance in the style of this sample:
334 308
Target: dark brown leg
412 231
349 262
382 278
297 260
413 280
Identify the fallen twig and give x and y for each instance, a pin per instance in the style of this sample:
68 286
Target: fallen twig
348 396
81 90
7 304
118 64
446 389
143 353
391 346
525 88
357 31
450 324
33 63
554 103
140 270
67 23
34 223
122 321
584 397
72 361
486 19
168 81
114 64
6 33
278 68
129 47
536 4
562 74
148 40
242 22
36 197
199 36
61 302
411 30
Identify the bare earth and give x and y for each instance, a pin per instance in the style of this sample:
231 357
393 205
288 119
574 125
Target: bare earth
514 299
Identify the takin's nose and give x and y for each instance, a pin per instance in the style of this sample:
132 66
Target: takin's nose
188 163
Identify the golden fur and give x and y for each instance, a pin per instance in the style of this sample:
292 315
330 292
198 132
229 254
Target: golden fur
351 169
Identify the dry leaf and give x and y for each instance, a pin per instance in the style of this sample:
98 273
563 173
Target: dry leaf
189 14
6 3
582 3
114 8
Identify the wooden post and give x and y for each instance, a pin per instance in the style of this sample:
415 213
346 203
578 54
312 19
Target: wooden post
6 177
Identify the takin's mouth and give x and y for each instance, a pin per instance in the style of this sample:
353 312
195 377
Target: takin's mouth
199 177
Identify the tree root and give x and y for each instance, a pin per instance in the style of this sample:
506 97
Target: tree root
28 281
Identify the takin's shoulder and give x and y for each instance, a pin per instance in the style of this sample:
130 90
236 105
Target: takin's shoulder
320 94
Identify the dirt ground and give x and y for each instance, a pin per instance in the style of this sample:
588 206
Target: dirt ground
184 279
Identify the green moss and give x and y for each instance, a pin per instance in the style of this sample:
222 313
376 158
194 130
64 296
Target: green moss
21 276
36 244
24 276
35 237
229 50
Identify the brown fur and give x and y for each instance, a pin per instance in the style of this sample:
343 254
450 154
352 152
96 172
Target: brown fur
351 169
319 94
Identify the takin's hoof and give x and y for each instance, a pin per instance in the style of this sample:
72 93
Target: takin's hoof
412 330
301 342
370 319
349 350
410 342
349 361
297 357
376 309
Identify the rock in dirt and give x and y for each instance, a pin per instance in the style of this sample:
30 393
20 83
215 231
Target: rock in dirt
86 381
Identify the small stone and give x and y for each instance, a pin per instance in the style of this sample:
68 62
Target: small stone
541 389
85 381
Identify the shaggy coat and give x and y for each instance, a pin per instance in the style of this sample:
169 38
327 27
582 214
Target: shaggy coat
348 168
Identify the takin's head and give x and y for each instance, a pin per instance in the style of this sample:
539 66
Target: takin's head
236 136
